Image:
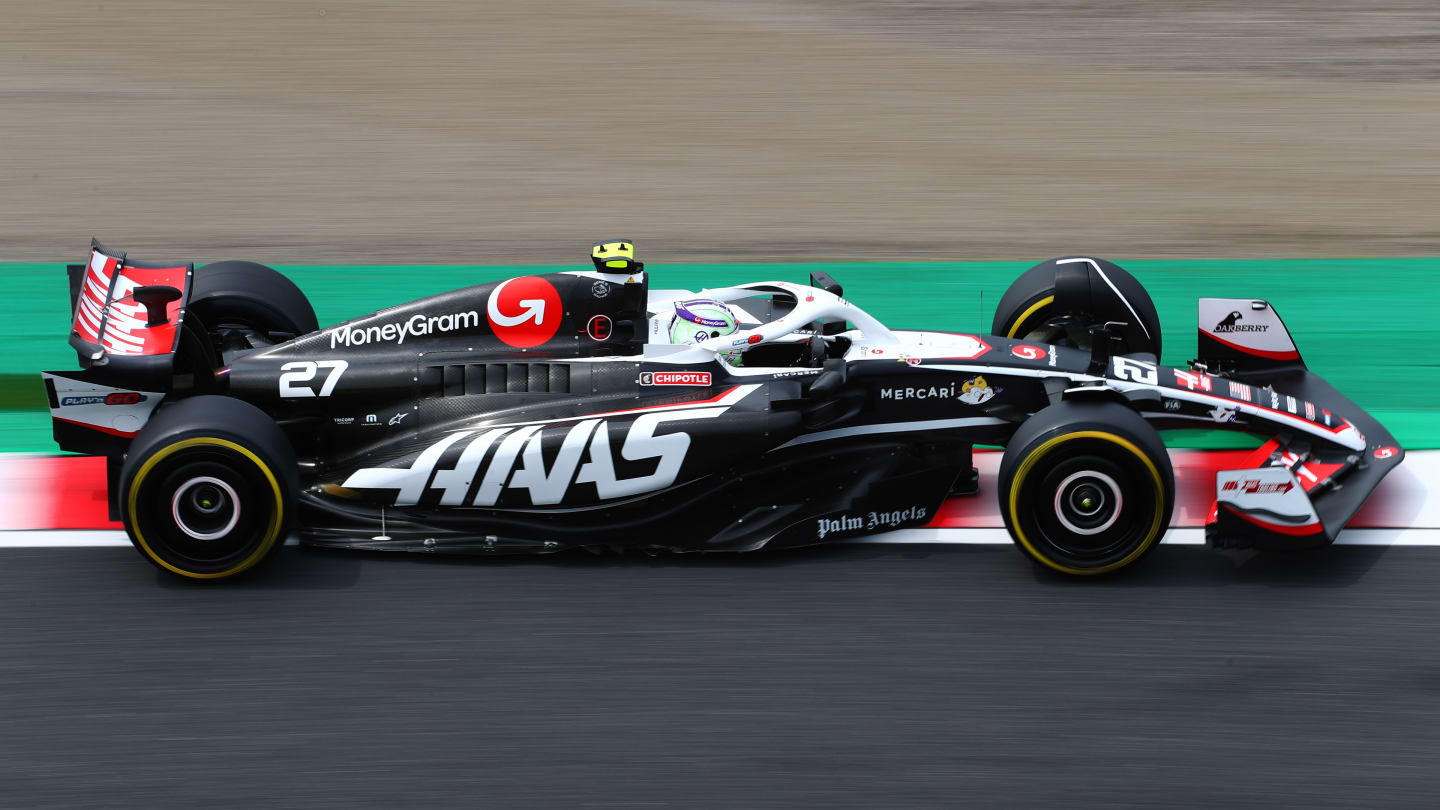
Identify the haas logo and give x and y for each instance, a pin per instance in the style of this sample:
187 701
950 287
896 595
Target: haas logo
524 312
582 456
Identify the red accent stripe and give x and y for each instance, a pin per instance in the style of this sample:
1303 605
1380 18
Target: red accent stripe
88 426
68 492
1261 455
1342 423
688 404
1278 528
1290 355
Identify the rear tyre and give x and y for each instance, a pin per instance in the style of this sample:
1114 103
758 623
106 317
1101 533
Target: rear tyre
1031 310
1086 488
207 489
234 294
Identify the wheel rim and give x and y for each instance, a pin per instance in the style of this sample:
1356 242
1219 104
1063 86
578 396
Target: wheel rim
1087 503
205 507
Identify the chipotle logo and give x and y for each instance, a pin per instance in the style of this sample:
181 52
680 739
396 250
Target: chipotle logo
675 378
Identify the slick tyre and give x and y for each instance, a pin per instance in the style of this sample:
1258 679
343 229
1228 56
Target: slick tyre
1086 488
1029 311
250 295
207 490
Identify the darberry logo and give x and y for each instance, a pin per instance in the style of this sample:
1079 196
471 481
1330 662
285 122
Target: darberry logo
1231 323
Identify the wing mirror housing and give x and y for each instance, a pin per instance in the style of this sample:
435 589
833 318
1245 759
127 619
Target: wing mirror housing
824 281
831 379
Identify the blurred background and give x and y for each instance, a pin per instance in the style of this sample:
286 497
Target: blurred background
496 132
1284 149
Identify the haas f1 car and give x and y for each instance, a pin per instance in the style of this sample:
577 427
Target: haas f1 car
556 411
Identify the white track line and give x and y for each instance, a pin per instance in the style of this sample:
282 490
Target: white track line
929 537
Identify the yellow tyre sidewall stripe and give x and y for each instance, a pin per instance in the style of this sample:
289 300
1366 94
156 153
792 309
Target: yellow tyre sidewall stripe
272 533
1025 316
1038 453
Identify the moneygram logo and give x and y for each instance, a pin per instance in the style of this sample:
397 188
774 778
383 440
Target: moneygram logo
415 326
525 311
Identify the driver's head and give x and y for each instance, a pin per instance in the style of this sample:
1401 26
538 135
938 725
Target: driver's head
701 319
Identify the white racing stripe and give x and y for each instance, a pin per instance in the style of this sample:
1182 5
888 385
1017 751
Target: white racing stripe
1175 537
892 427
928 537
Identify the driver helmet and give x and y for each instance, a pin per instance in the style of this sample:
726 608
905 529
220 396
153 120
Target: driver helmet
701 319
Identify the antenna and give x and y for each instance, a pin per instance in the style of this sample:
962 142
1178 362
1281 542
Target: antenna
382 536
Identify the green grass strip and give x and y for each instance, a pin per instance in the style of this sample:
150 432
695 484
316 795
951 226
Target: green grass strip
1366 325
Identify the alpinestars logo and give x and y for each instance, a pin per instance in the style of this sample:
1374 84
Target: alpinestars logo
1231 323
486 468
416 326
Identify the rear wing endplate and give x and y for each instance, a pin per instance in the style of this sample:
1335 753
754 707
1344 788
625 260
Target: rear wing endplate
124 310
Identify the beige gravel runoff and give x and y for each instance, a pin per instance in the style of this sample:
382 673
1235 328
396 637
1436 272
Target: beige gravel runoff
497 132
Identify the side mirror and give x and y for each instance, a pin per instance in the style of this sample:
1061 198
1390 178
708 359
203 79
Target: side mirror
823 280
830 380
156 299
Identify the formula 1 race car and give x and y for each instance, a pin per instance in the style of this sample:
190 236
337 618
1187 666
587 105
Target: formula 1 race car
556 411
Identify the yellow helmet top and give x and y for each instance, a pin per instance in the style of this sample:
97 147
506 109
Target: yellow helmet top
617 256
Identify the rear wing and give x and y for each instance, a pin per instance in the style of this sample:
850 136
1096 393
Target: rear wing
127 313
126 324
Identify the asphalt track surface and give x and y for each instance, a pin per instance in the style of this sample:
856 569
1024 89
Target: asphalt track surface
855 676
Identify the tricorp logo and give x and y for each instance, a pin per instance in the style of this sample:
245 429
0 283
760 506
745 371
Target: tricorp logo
525 311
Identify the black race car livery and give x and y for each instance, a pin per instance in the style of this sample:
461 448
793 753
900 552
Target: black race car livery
549 412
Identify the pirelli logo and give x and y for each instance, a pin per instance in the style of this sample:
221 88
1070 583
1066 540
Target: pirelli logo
696 378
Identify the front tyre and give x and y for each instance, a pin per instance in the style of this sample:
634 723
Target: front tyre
1086 488
207 489
1059 300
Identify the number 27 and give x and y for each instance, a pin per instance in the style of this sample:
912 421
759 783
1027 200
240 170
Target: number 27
304 371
